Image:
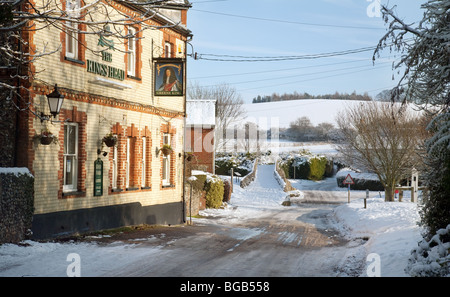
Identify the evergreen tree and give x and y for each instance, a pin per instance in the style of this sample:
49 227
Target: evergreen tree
426 76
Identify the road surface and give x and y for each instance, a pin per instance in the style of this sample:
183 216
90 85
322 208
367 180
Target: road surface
252 239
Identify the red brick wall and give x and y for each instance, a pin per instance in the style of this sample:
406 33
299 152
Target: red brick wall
203 154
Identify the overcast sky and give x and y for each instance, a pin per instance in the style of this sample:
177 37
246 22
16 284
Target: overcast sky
272 29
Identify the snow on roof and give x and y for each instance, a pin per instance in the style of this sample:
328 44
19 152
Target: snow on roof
201 112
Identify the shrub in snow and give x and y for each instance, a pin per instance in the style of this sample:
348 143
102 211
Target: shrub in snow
240 162
431 258
199 183
317 166
214 192
304 165
436 200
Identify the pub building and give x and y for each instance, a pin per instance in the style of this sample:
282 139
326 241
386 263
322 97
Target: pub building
118 155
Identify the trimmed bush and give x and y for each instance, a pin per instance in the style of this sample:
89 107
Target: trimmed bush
317 166
199 183
305 165
226 191
214 192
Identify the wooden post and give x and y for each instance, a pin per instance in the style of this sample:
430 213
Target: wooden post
348 193
365 199
231 180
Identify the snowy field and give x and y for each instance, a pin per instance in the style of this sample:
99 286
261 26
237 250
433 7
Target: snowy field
391 230
284 112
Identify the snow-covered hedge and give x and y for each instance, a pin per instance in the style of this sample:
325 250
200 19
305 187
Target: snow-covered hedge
240 162
212 185
363 181
431 258
305 165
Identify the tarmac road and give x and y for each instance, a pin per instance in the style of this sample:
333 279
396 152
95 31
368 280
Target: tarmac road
295 241
276 242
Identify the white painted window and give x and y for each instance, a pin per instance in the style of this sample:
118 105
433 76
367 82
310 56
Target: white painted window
128 164
73 11
144 163
70 157
131 52
115 170
166 162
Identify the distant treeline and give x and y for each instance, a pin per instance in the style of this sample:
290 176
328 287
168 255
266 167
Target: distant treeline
299 96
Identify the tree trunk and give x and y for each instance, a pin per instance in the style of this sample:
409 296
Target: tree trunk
389 193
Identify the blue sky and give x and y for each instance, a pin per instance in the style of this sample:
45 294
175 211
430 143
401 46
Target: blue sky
292 28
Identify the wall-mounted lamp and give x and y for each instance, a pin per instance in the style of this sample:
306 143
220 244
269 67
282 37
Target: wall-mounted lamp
55 102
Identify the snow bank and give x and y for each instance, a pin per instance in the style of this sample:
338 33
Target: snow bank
50 259
431 258
390 227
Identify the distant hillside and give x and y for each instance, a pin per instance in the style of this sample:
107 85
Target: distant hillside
317 110
305 96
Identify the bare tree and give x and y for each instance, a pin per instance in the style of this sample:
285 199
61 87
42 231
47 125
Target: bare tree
382 138
229 109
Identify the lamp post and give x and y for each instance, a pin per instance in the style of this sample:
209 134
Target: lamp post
55 102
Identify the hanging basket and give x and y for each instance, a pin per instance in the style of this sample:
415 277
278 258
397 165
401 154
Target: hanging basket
46 140
166 150
110 141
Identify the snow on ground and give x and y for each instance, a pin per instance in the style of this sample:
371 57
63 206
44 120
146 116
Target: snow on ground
391 228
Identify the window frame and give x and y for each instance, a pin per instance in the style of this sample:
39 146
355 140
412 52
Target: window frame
128 163
73 187
144 162
115 167
71 28
166 162
131 52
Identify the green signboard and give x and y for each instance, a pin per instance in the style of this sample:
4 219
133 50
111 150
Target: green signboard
98 177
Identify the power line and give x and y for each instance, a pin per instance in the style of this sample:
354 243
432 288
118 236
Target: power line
305 74
280 70
286 22
232 58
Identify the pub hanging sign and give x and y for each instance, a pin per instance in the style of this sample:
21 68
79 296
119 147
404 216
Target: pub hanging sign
169 77
98 177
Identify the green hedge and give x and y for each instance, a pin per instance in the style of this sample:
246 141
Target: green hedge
240 162
16 206
317 166
214 192
306 166
214 188
361 184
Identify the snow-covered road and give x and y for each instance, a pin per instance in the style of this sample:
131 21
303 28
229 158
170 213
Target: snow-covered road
254 236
